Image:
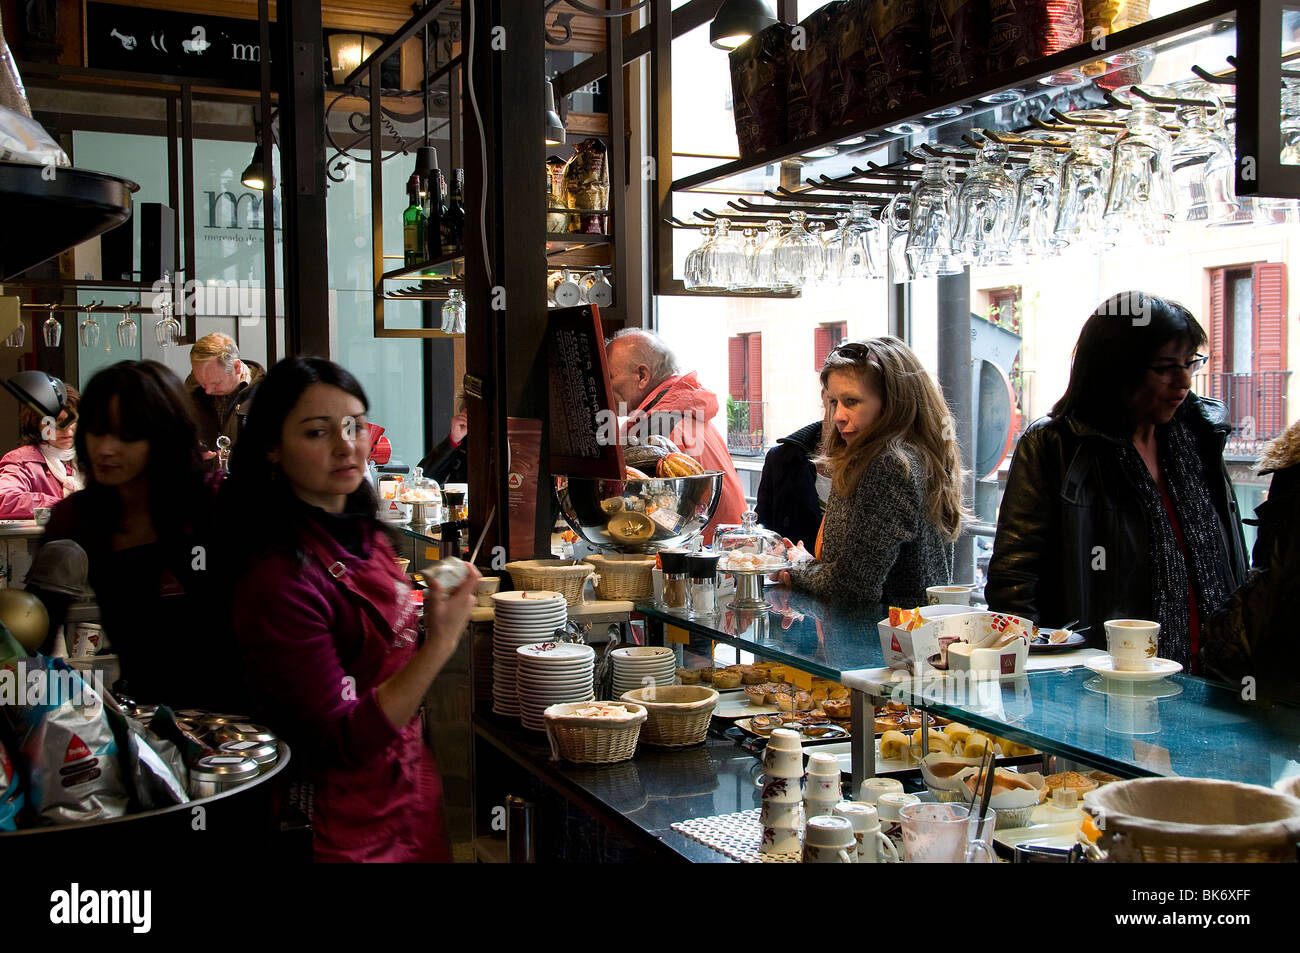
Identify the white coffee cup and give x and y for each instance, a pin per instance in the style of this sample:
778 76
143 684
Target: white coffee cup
872 788
872 844
779 840
788 816
889 804
949 595
783 739
822 789
782 764
829 840
1134 644
782 790
823 765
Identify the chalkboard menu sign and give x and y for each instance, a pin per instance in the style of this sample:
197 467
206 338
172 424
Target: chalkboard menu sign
584 428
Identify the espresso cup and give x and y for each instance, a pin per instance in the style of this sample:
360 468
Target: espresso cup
872 788
783 739
949 595
822 789
873 846
788 816
824 766
1134 644
829 840
782 790
783 764
779 840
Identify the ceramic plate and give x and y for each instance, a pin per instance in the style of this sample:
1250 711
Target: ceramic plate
1104 666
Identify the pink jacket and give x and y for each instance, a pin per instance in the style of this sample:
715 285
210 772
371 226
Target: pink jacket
26 483
697 437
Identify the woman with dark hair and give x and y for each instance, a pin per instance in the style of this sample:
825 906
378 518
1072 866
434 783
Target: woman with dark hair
895 504
144 520
42 470
1118 504
326 622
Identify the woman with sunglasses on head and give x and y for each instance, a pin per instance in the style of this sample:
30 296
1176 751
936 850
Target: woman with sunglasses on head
145 522
326 622
1118 504
43 470
895 505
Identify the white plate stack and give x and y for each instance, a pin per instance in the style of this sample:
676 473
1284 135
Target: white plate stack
550 674
638 666
520 618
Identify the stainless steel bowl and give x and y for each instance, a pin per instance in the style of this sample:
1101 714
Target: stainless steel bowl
639 516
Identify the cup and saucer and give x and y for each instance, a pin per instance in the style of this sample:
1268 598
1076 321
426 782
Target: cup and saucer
1133 659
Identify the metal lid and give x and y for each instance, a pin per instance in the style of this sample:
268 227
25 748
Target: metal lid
673 560
702 566
244 731
263 752
223 768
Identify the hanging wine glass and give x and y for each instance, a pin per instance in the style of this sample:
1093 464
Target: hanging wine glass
89 331
835 252
19 336
1141 201
1085 181
818 231
167 331
767 276
986 207
52 329
1202 164
1037 197
751 248
128 332
859 256
725 259
798 255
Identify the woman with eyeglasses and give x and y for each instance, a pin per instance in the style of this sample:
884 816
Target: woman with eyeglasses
43 470
1118 504
895 505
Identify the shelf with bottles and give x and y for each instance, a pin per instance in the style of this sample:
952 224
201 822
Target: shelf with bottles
435 269
1005 93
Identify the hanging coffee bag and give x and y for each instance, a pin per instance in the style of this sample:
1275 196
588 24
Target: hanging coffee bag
958 42
1015 31
901 29
814 78
864 81
760 70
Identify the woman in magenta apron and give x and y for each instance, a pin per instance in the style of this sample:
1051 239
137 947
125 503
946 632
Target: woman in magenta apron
325 619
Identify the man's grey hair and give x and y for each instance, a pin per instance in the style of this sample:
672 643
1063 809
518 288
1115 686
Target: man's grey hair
649 349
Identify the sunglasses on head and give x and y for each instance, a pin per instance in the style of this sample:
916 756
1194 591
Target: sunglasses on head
852 349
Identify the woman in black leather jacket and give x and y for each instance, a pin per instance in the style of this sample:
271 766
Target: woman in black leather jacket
1118 504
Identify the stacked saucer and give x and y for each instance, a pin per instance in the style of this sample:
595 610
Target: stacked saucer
552 674
520 618
638 666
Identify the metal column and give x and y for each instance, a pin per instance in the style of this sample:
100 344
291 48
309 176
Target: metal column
955 376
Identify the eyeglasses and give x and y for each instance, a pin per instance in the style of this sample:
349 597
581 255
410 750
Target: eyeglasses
1172 368
853 349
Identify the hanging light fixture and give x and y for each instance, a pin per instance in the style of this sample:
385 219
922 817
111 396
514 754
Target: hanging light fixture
737 20
258 175
555 134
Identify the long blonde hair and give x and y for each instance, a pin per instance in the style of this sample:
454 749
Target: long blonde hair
913 414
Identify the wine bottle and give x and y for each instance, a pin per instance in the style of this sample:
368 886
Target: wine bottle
413 226
435 207
453 221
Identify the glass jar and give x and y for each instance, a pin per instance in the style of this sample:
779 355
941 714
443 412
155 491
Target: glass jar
453 312
799 256
677 581
703 570
858 248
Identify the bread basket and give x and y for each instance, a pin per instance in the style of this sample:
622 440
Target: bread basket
593 740
1194 820
556 575
677 715
623 576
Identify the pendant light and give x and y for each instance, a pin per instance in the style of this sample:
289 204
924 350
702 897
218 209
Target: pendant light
738 20
555 134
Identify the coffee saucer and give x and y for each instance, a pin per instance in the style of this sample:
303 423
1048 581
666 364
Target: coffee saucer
1104 665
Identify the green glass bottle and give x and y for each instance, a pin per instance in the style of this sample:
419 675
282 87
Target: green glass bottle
413 225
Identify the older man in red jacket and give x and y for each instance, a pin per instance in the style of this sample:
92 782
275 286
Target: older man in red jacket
646 380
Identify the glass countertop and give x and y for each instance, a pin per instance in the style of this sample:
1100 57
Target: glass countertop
799 630
1182 725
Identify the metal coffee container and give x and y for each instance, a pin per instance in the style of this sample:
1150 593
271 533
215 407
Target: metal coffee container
263 752
220 772
243 731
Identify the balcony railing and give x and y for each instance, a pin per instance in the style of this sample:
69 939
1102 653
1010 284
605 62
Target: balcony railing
745 427
1256 407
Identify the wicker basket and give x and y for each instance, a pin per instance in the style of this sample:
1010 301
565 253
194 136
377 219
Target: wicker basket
678 714
624 576
1194 820
566 578
593 740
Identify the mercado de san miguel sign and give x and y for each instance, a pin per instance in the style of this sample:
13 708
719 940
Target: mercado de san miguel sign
139 40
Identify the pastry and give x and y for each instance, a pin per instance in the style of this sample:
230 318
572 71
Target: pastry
803 702
763 725
726 679
776 673
938 741
1003 781
838 708
1069 779
755 694
817 714
1101 777
819 694
886 723
752 676
892 744
784 700
957 732
976 745
706 674
816 731
688 676
789 717
837 691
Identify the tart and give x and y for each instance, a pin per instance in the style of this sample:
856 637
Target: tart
1072 780
838 707
803 702
763 724
726 679
751 675
706 674
785 700
837 691
756 694
688 676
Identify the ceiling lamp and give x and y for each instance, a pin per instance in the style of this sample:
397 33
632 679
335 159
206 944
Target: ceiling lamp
738 20
555 134
255 174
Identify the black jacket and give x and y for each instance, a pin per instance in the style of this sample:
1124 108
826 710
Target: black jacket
224 415
1254 635
1072 538
447 464
787 491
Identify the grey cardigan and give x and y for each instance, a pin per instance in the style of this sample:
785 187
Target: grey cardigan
879 546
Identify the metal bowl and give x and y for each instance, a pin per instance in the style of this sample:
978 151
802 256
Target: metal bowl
639 516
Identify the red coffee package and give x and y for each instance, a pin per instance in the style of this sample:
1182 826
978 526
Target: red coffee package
814 79
759 76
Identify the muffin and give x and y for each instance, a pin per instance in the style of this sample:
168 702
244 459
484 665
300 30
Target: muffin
706 674
751 675
725 680
688 676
